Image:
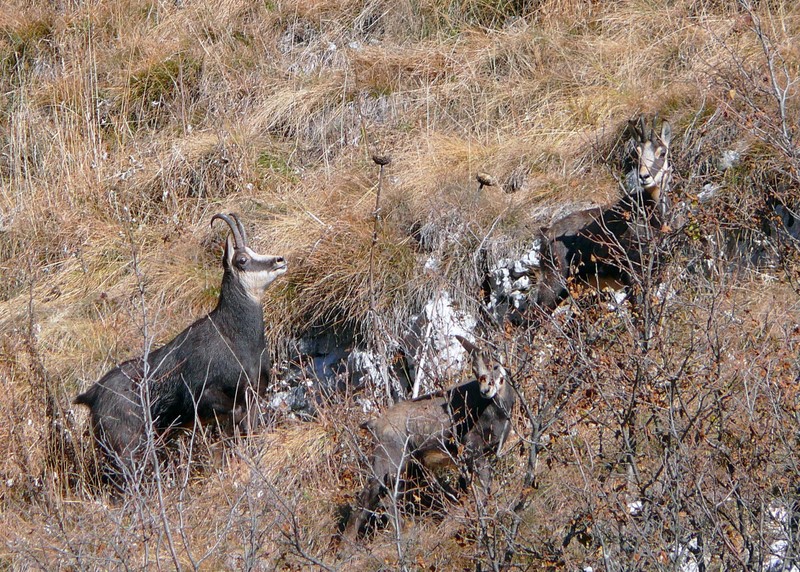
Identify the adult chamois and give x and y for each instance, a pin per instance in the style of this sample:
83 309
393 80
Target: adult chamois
614 245
464 424
203 375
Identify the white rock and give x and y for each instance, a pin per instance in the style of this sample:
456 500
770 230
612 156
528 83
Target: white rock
709 192
728 159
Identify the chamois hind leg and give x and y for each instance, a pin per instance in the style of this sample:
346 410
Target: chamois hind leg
120 448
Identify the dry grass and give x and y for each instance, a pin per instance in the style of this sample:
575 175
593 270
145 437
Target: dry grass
125 125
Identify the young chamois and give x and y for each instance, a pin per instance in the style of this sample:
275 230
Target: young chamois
597 246
464 424
203 375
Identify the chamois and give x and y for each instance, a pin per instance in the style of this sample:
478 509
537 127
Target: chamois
598 246
203 374
464 423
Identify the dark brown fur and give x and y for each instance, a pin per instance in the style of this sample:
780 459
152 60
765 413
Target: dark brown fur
599 247
204 374
466 423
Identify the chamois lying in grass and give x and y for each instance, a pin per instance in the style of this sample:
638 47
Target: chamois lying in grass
616 245
464 424
203 375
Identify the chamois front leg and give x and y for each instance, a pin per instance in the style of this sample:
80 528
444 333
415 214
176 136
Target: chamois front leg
640 310
553 275
216 407
552 289
476 461
388 463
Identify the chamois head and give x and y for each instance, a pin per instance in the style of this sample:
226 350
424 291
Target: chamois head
252 270
652 154
492 379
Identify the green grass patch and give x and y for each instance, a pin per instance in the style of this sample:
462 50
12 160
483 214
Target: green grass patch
155 88
269 162
162 80
20 46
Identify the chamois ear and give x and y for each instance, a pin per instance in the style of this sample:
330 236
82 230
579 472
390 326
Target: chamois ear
227 255
666 133
468 345
479 368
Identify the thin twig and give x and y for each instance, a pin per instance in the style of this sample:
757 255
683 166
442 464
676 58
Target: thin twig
146 398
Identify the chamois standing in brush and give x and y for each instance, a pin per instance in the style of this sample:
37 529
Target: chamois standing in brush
203 374
464 424
600 246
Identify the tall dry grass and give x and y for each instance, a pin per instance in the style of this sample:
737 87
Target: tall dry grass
124 126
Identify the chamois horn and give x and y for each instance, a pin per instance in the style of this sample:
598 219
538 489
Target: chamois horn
238 240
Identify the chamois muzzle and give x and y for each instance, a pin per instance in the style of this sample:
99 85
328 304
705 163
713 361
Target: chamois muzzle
488 388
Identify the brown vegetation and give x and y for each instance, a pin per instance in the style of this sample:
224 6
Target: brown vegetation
125 125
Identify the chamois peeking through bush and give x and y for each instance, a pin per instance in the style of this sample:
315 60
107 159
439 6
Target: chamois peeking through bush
464 424
203 375
613 246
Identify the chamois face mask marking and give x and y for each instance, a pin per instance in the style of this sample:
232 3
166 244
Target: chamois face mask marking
254 271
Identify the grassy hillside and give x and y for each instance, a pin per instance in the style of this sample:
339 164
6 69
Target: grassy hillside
124 126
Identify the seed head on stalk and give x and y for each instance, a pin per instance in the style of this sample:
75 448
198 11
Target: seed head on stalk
484 180
379 341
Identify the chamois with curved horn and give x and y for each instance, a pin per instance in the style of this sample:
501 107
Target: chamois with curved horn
204 374
600 246
465 424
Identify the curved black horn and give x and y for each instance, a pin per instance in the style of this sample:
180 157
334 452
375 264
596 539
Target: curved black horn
237 238
642 130
242 232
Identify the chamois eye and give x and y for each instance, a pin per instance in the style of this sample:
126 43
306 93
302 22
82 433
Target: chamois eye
242 260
